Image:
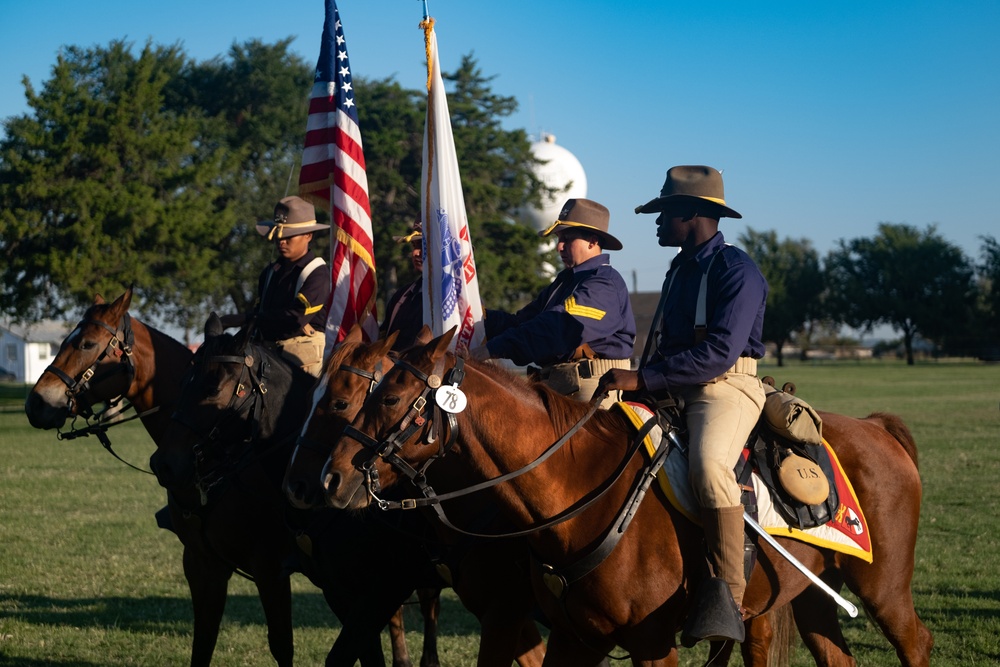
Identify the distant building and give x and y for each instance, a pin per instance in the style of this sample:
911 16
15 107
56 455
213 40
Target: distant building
27 350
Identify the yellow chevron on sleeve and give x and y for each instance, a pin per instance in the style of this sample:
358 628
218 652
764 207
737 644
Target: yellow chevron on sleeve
583 311
305 302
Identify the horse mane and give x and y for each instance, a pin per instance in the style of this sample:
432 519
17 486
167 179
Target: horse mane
97 309
563 412
898 430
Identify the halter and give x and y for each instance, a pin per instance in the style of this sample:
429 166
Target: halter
210 474
373 377
407 426
119 347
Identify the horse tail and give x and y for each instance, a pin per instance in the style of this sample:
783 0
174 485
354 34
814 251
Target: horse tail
784 637
900 431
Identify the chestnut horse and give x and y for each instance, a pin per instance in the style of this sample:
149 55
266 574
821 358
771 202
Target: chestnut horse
637 596
490 579
111 354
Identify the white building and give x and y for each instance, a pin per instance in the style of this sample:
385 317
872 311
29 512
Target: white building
25 351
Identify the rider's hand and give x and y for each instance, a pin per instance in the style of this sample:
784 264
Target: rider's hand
621 379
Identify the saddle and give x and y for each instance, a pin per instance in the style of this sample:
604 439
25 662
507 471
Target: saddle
791 488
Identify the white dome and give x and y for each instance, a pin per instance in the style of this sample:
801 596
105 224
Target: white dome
561 168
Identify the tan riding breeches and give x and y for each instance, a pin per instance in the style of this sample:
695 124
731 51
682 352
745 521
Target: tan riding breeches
305 352
720 416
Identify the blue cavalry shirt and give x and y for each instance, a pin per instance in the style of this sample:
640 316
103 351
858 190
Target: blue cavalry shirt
586 304
737 293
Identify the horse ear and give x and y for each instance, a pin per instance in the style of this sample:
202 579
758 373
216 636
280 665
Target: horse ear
354 335
213 326
381 347
424 336
443 341
122 303
99 300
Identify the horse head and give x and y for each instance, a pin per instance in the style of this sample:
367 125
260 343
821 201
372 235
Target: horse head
94 364
351 373
230 401
391 418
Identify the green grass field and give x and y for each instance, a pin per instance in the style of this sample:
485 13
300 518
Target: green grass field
87 579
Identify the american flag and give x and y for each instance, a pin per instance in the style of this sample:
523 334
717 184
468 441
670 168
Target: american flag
451 293
333 176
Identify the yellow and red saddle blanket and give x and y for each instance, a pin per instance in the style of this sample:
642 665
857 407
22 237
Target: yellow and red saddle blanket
846 532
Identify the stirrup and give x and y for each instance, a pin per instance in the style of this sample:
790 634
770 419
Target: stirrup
714 616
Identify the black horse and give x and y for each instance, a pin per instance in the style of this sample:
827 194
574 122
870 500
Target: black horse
240 411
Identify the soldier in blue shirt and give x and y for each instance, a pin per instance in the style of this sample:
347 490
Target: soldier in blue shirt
581 325
709 342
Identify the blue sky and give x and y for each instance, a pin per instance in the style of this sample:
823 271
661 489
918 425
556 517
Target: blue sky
826 118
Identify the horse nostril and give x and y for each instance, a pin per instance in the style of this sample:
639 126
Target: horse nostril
329 479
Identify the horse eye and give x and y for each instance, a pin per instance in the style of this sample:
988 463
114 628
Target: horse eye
340 405
390 401
88 345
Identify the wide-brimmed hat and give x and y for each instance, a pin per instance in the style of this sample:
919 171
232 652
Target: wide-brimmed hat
692 183
585 214
415 234
292 216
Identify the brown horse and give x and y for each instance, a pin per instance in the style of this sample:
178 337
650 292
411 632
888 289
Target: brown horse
637 596
488 578
109 355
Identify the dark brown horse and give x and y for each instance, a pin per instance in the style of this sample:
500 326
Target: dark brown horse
490 579
111 354
637 596
235 425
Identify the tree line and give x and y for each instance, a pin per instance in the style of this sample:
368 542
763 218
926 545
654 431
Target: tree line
908 278
149 167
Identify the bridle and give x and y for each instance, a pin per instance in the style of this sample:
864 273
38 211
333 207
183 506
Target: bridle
413 420
373 377
211 469
119 347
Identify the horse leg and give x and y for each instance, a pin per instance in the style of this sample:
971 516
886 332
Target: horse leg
565 650
397 639
816 617
356 645
208 584
430 608
503 638
275 593
530 650
886 595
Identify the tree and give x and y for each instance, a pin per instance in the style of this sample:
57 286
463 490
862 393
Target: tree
103 185
795 282
154 168
256 103
987 331
912 280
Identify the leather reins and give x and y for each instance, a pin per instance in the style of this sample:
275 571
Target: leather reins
413 420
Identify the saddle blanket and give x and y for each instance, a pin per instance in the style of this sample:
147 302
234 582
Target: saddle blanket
846 533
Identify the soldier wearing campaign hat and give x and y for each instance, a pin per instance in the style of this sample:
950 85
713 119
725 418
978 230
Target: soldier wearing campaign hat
404 312
581 325
292 291
710 322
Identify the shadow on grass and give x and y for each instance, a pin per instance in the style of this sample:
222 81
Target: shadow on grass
173 615
8 661
167 615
